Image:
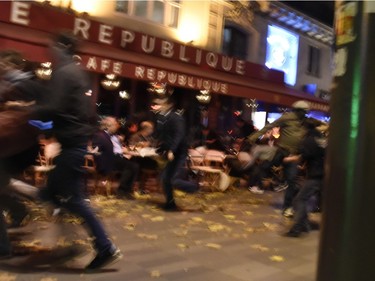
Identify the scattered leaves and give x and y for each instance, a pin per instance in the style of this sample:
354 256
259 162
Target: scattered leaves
182 246
277 258
260 248
213 246
155 274
157 218
271 226
230 217
197 219
147 236
129 226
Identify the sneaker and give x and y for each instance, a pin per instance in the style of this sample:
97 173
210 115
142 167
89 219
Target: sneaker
256 190
103 259
281 187
293 234
171 207
288 213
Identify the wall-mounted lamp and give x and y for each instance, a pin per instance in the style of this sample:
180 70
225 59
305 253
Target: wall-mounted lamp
160 89
204 96
110 82
44 71
252 103
124 95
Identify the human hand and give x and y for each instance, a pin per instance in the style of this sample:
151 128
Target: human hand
170 155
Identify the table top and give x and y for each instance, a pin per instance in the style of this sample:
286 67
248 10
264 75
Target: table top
142 152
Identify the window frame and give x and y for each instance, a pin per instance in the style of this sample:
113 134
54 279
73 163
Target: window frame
169 7
313 67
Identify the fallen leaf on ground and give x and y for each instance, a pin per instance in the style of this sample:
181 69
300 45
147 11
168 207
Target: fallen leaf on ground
218 227
183 247
230 217
271 226
197 219
260 248
147 236
130 226
239 222
155 274
158 218
249 229
213 246
277 258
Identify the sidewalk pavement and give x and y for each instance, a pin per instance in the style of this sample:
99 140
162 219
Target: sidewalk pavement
231 236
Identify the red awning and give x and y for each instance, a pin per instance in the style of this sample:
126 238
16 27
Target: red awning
33 44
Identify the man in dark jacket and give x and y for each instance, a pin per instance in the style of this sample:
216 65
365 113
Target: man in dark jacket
71 111
312 154
292 133
171 138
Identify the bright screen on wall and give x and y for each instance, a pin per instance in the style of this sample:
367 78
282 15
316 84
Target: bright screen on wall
282 52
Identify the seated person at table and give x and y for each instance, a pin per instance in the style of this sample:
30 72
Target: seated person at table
208 138
143 138
110 156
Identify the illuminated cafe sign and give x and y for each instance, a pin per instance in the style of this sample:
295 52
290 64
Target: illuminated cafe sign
178 79
39 17
141 72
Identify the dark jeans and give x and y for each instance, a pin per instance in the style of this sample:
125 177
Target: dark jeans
173 176
258 172
66 189
129 172
8 202
309 189
290 175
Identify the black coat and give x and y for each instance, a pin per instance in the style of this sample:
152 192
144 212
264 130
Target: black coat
170 133
313 153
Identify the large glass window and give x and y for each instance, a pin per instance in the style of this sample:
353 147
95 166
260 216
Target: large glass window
282 52
159 11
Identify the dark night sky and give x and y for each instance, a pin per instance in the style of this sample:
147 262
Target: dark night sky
319 10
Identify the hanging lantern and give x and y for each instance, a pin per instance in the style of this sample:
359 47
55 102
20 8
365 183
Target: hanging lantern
124 95
44 71
204 96
160 89
110 82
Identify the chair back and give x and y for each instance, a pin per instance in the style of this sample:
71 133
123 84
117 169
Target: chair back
195 158
214 158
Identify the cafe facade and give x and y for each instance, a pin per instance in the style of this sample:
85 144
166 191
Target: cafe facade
137 59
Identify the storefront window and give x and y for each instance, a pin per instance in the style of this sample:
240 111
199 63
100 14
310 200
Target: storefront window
140 8
159 11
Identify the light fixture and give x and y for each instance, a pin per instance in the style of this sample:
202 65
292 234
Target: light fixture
44 71
252 103
124 95
110 82
160 89
203 96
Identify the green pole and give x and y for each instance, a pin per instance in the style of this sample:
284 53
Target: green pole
347 244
